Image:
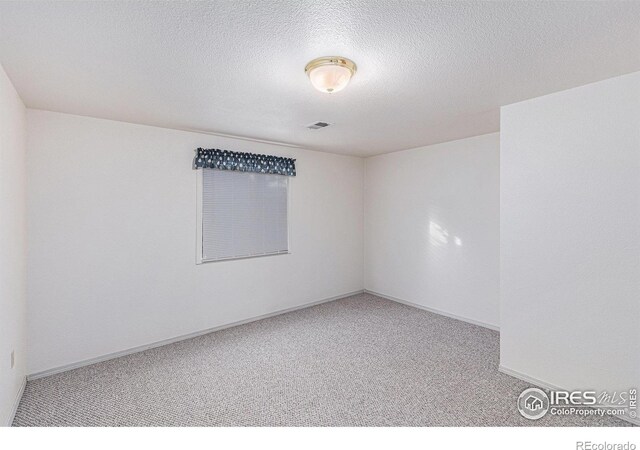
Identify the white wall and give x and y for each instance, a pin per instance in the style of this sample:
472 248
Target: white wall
112 237
432 227
12 246
570 236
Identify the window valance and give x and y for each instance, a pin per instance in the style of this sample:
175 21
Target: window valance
243 162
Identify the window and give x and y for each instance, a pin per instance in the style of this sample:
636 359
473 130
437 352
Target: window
241 215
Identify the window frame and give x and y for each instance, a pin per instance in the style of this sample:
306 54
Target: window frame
199 228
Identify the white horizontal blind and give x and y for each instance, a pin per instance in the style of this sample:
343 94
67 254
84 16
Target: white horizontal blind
243 214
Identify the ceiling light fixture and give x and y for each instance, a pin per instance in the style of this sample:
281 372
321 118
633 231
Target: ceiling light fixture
330 73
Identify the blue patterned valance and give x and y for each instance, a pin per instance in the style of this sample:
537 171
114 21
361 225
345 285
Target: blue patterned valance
244 162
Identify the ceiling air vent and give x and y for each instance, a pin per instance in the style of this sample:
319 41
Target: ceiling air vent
318 125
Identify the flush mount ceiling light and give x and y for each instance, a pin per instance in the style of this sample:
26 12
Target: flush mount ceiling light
330 73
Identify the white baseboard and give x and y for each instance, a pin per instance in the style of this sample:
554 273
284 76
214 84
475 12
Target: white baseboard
141 348
435 311
527 378
546 385
16 402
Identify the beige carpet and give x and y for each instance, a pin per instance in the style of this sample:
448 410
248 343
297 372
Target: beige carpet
359 361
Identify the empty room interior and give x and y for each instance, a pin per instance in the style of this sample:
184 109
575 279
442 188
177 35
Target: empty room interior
319 214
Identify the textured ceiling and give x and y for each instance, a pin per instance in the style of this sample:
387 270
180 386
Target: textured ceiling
427 71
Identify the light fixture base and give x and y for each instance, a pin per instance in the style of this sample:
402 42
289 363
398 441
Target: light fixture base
331 61
330 74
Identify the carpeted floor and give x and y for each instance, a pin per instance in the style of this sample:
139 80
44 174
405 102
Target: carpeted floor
359 361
